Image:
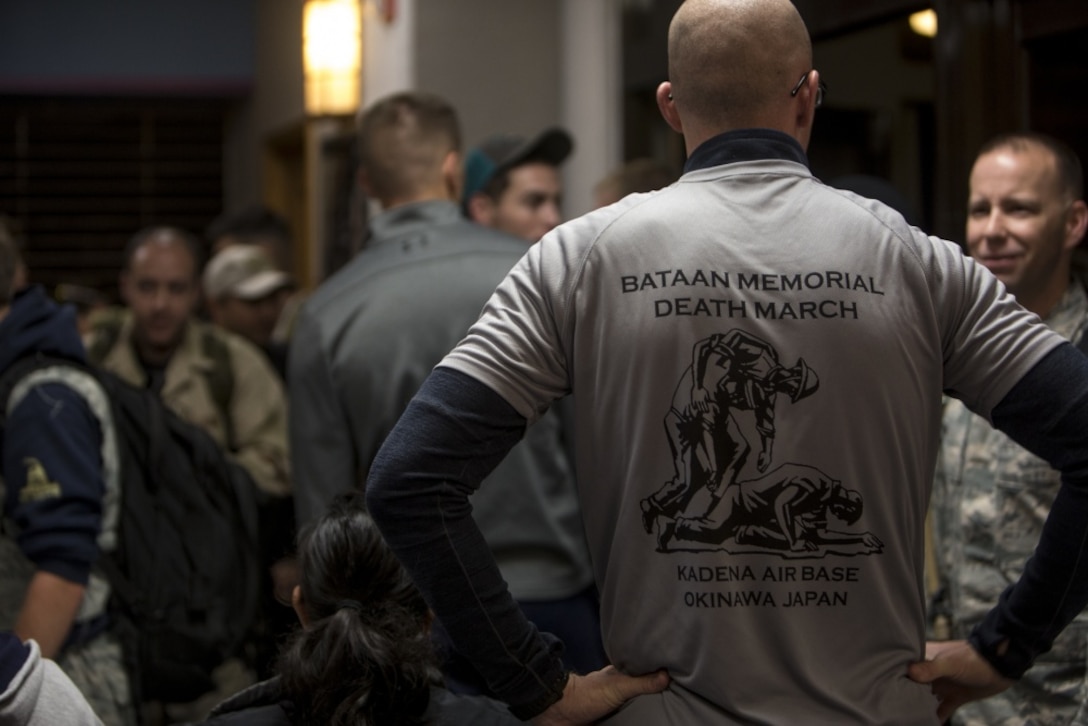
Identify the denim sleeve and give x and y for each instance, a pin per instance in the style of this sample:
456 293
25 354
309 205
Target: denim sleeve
454 432
1047 414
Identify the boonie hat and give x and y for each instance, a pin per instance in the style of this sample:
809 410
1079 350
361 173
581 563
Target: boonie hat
245 272
505 151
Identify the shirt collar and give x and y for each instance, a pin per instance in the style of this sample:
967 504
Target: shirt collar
417 215
745 145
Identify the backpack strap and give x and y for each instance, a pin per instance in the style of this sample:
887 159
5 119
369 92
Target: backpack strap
11 377
220 377
1082 344
104 335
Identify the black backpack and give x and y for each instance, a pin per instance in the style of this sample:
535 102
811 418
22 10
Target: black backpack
185 574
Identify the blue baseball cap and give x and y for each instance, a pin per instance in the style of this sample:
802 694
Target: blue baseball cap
503 152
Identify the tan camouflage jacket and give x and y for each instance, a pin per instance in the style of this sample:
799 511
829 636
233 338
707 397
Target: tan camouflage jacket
243 409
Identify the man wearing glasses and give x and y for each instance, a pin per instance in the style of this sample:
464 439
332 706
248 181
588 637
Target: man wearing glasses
609 306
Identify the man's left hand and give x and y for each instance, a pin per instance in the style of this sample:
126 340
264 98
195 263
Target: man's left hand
957 674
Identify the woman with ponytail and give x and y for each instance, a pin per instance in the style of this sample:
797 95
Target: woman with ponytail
363 656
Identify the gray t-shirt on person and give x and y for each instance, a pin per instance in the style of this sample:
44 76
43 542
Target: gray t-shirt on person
762 358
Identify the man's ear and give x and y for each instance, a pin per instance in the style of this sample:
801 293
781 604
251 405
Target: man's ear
363 180
1076 223
299 608
667 106
805 108
481 209
453 175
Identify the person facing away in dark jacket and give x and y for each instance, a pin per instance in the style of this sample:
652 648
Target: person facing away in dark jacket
363 654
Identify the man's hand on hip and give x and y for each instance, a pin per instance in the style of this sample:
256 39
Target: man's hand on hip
957 674
591 697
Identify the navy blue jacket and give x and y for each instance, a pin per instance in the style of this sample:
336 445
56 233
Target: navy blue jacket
51 441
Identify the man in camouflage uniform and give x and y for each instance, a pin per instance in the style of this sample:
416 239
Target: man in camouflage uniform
1025 217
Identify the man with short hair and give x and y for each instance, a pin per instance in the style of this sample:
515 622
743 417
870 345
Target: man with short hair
608 307
61 498
208 376
370 334
512 183
1025 217
242 289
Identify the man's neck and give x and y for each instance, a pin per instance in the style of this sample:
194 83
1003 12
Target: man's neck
1044 303
1042 306
154 355
423 195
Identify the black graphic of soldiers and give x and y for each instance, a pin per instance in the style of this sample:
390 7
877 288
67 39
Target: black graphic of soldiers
787 509
734 371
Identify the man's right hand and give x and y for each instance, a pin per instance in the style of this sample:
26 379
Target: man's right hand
591 697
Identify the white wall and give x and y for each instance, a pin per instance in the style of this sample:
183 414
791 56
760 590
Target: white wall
389 58
518 66
275 104
496 61
591 100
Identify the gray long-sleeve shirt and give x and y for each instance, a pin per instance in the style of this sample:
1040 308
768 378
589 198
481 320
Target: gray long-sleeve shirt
365 341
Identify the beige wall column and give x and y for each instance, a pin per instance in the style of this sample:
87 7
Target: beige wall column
496 61
590 96
389 52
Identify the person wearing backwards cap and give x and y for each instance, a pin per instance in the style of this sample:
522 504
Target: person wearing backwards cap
512 183
244 292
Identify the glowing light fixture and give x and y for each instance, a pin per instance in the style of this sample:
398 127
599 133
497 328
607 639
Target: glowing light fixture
332 55
924 22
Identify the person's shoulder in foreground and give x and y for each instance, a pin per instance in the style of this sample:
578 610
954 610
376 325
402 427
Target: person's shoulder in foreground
35 692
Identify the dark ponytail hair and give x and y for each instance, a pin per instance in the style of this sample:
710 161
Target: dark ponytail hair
365 658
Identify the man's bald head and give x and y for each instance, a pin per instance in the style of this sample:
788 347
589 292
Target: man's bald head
732 63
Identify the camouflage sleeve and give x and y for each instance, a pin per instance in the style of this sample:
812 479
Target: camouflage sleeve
1046 412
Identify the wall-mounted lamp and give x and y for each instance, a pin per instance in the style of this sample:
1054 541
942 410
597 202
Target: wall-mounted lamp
924 22
332 55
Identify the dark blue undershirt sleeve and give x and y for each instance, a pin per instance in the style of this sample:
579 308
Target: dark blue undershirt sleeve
454 432
13 656
1047 414
52 469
